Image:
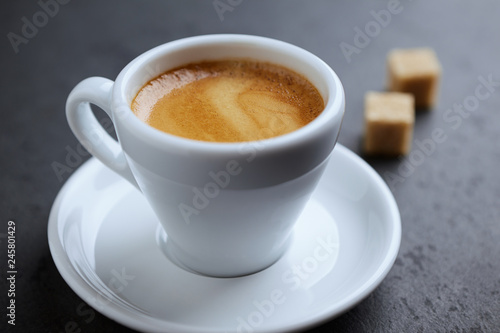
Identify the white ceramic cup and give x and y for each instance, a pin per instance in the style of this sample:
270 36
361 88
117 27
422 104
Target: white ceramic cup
228 208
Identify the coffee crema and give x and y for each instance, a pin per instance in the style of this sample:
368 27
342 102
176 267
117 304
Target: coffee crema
228 101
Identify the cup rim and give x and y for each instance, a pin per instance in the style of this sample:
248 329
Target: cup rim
123 113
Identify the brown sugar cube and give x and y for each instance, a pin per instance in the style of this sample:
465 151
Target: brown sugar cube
414 71
389 119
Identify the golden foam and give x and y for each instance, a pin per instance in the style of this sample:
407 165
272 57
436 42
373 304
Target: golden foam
228 101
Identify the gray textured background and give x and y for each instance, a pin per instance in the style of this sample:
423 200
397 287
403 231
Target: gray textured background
447 275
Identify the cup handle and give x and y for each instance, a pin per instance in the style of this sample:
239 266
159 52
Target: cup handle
96 90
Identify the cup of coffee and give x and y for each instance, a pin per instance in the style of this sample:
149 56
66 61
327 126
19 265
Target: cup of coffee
226 136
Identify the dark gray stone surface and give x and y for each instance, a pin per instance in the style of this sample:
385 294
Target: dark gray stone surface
447 275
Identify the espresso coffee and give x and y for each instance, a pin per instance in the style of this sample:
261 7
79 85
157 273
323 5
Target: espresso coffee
228 101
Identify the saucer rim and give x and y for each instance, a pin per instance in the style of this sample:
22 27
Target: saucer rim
84 290
391 254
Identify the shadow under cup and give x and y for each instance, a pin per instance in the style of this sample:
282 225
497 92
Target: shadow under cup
228 208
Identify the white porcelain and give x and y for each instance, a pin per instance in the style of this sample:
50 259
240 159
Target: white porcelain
109 247
228 208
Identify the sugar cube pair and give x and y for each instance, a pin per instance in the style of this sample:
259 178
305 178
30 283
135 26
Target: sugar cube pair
413 78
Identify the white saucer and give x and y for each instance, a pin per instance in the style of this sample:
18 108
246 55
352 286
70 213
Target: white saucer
105 242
